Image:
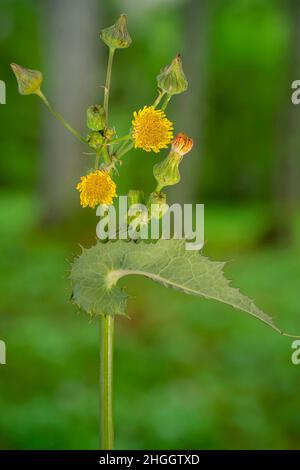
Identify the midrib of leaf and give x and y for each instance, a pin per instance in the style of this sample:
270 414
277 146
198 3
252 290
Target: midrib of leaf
118 274
96 272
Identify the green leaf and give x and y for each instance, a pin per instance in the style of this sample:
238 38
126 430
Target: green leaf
96 271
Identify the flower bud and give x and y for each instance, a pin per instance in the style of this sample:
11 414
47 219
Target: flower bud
109 133
29 81
95 140
166 172
135 196
95 117
117 36
157 205
182 144
172 79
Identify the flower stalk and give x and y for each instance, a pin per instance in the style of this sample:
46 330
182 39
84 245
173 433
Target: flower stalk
108 81
106 383
61 118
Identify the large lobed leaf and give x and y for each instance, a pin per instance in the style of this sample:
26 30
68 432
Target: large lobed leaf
95 273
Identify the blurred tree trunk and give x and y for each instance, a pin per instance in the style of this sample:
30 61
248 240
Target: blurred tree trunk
197 15
287 172
72 82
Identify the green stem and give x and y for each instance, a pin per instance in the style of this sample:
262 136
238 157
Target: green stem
97 160
107 83
106 376
120 139
61 119
124 150
158 188
166 102
158 99
106 155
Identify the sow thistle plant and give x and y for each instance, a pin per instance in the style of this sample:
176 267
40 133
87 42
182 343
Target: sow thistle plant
96 272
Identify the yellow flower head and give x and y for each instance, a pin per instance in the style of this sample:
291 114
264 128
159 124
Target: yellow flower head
151 129
96 188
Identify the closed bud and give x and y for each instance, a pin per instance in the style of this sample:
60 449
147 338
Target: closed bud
95 117
29 81
157 205
117 36
135 196
109 133
95 140
166 172
172 79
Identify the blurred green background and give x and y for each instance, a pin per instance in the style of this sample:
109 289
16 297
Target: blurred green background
189 373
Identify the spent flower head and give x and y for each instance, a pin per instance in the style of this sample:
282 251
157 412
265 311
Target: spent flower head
152 131
95 140
172 79
117 36
29 81
95 117
157 205
96 188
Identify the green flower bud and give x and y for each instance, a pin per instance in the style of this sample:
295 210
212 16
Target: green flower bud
109 133
29 81
171 79
117 36
95 117
95 140
135 196
157 205
166 172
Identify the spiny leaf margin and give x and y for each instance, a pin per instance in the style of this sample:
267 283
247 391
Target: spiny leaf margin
95 273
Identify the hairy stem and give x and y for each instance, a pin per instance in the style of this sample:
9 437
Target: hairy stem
106 383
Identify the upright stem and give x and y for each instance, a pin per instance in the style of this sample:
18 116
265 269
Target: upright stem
106 155
97 160
107 326
106 383
108 80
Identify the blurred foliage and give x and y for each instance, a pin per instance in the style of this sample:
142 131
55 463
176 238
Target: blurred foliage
188 373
